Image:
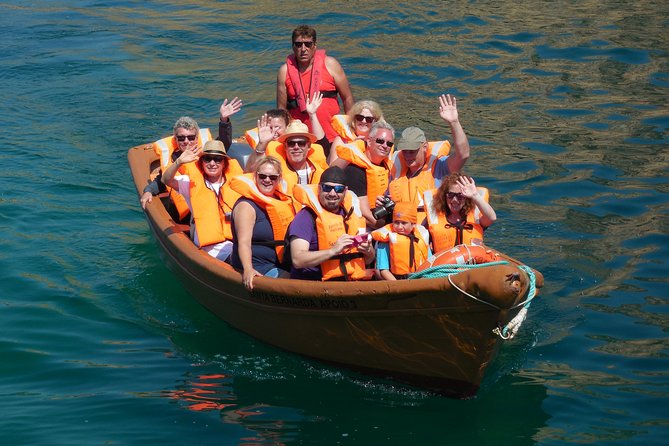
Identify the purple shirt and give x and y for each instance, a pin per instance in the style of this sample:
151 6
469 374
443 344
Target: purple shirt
303 227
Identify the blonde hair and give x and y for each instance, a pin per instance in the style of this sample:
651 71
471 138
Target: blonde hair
267 159
358 107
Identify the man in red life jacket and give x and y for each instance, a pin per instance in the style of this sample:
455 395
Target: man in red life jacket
306 71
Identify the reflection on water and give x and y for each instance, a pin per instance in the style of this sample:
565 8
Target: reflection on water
205 392
259 406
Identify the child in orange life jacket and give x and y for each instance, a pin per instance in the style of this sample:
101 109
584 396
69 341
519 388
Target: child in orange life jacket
403 245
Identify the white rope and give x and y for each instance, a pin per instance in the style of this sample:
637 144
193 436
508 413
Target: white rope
511 329
513 326
469 295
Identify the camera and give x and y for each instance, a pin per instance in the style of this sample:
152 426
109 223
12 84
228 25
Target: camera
381 212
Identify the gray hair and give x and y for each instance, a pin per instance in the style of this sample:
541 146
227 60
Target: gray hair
186 122
381 125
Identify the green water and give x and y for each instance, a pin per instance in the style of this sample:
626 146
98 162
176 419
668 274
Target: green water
565 105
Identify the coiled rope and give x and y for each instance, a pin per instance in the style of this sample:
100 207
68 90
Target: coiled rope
510 329
447 270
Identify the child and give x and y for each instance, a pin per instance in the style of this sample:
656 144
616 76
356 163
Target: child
403 245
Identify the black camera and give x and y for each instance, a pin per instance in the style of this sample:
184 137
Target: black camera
386 209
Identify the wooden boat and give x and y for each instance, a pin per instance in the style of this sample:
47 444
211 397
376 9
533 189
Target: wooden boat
435 333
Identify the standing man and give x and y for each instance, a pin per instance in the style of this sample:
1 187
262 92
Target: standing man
307 71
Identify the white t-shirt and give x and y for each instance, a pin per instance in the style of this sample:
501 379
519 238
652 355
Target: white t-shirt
304 175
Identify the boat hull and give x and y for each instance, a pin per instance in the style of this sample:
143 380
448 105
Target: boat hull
433 333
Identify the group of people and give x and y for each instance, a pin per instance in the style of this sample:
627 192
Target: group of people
322 196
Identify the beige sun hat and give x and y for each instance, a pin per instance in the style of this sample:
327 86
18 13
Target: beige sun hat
214 147
412 138
297 128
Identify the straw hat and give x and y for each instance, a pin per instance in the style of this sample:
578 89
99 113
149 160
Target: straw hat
214 147
297 128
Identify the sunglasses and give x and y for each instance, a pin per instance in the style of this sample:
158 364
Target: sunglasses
381 142
452 195
367 119
299 44
263 176
296 142
328 187
209 158
182 138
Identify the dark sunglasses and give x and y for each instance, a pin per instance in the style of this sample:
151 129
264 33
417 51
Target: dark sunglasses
296 142
182 138
209 158
368 119
263 176
328 187
381 142
452 195
299 44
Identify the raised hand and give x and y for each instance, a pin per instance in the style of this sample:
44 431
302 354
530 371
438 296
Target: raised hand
467 186
314 103
189 155
448 108
230 108
265 131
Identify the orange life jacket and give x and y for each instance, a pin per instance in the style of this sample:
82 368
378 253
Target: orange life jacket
330 226
164 148
402 262
251 137
340 125
403 188
435 150
411 190
279 207
377 176
211 212
443 234
315 157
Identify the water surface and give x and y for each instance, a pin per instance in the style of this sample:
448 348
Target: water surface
565 105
